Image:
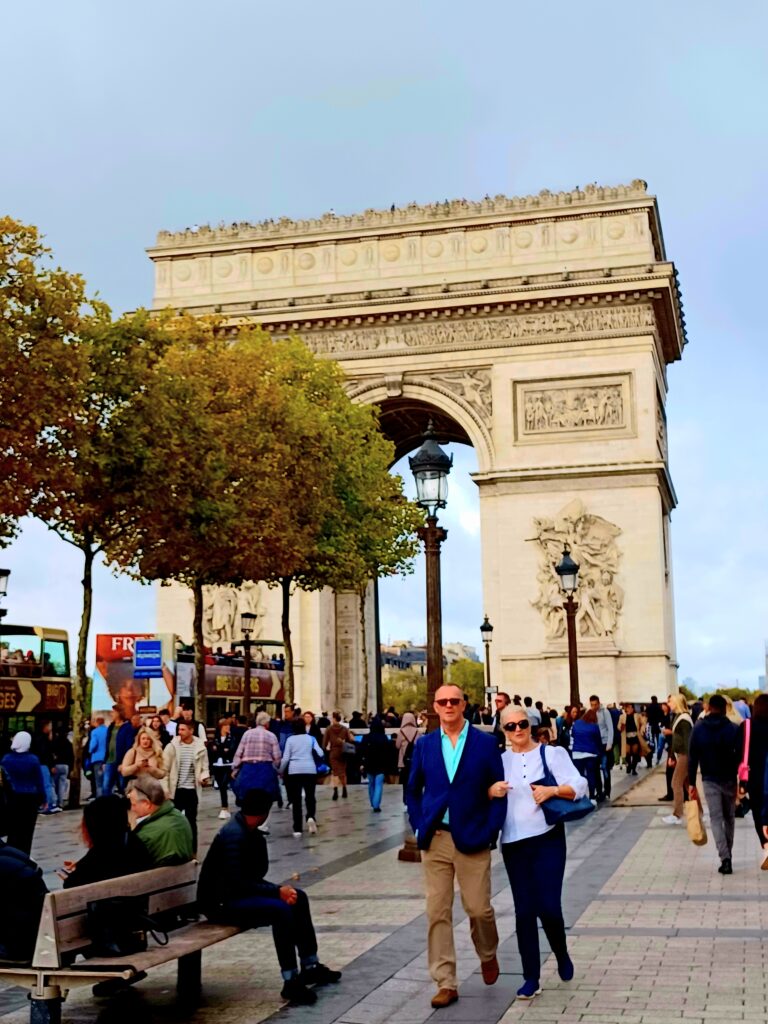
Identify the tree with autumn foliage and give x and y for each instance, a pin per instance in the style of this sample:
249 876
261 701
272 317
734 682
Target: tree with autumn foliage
41 310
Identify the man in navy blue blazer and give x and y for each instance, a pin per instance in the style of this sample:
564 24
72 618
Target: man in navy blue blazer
456 824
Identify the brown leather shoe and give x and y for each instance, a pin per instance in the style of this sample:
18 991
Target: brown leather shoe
490 971
444 997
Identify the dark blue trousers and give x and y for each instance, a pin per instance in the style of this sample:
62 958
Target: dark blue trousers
292 927
535 868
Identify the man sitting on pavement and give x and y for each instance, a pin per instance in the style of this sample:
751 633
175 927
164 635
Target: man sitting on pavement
233 890
162 828
714 746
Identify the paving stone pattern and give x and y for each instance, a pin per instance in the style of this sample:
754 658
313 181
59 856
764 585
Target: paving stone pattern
657 935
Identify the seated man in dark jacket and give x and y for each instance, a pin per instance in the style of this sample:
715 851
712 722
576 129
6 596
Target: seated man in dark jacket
23 889
233 890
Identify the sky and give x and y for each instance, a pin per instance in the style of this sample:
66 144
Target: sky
122 119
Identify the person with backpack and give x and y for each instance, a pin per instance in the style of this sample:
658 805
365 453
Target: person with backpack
405 742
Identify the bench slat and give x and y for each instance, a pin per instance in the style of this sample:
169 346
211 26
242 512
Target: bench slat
186 940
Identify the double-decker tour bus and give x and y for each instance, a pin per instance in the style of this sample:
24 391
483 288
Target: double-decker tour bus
143 672
35 680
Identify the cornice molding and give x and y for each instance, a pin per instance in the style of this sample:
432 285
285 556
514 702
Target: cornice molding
456 210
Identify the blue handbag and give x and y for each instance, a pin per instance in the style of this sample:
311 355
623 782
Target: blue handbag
557 808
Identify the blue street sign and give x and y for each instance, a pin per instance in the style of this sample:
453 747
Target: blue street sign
148 659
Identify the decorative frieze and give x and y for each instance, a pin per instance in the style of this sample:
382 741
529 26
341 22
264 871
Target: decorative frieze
597 405
477 332
474 386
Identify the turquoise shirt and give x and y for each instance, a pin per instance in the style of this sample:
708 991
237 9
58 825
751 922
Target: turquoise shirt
452 755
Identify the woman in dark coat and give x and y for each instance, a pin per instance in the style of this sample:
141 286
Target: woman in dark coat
376 753
23 777
113 849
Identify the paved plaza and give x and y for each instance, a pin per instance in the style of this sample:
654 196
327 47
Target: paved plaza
656 934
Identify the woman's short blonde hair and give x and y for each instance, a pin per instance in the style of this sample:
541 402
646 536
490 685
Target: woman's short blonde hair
678 703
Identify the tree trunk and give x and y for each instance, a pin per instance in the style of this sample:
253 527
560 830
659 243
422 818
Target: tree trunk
285 583
80 680
197 639
366 679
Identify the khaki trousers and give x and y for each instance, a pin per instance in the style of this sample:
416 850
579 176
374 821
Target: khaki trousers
680 784
442 863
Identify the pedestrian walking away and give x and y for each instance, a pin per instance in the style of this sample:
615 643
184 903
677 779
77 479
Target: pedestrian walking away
456 823
534 851
335 741
376 754
405 742
23 776
233 889
715 747
299 768
757 765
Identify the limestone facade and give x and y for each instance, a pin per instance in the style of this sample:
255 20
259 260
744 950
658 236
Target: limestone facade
537 329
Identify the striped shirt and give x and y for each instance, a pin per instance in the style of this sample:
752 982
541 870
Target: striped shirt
186 755
258 745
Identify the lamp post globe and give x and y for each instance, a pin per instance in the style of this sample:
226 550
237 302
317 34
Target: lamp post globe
4 574
568 571
430 467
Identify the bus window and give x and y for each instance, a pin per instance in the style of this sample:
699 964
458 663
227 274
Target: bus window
19 653
55 658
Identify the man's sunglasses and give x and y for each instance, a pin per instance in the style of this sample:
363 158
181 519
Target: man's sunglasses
444 702
513 726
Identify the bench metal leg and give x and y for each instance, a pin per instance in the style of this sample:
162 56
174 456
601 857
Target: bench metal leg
189 979
46 1009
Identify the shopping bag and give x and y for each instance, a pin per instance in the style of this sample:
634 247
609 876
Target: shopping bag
694 822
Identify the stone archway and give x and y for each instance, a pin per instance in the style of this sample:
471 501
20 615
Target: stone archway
538 329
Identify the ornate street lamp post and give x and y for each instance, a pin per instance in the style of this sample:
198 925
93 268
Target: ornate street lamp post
568 571
486 632
430 467
248 620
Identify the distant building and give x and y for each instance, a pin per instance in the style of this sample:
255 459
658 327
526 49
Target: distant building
403 656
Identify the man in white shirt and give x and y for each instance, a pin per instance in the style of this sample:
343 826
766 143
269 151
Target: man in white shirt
605 722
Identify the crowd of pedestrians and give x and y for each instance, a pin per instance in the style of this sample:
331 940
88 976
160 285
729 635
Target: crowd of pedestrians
514 783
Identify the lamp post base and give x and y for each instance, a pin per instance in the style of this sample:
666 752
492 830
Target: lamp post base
409 851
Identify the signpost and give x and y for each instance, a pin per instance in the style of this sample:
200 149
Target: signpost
148 659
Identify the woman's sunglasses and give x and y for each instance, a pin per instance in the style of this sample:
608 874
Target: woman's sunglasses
445 701
513 726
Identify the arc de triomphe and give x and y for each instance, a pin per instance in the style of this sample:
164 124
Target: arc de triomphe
536 329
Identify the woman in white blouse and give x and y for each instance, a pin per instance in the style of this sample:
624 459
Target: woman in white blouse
533 851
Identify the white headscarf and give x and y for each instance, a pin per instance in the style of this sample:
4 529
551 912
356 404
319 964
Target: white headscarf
21 743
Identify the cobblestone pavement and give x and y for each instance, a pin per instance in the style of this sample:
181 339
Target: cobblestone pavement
657 935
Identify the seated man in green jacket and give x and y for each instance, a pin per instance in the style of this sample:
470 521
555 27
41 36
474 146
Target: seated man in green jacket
162 828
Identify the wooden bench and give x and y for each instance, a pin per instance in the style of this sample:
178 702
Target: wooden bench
57 963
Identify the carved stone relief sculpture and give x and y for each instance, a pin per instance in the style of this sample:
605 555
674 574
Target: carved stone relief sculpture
222 610
573 407
592 541
474 386
480 330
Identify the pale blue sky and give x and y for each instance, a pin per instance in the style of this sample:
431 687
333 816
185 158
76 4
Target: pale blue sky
123 119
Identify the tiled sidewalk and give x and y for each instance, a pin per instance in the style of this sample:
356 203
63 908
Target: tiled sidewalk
656 934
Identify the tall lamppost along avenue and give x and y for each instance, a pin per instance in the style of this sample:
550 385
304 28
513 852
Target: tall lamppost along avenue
430 467
568 571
